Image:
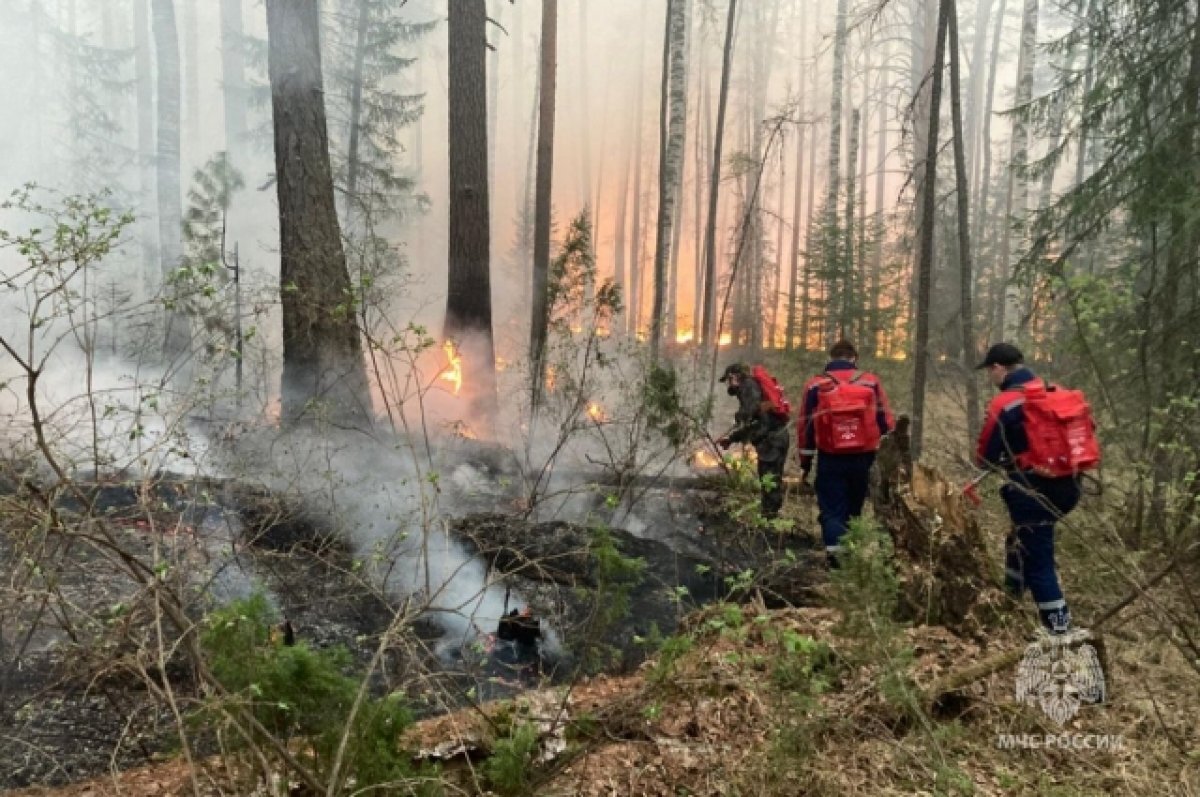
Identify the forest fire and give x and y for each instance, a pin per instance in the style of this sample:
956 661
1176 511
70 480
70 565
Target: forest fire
595 412
684 336
453 372
703 458
725 339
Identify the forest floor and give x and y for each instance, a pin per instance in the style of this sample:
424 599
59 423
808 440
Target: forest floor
749 700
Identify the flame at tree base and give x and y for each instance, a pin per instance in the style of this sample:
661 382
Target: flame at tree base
453 371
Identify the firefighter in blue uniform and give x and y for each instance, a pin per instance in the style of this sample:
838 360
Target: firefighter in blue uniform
1035 502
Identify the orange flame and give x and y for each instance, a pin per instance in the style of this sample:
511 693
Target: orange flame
725 339
703 458
595 412
453 371
684 336
550 378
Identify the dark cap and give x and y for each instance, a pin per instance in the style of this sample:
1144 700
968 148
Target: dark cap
738 369
843 350
1004 354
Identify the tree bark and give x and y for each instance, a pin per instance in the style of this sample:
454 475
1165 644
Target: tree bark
670 166
984 188
962 189
144 66
1017 196
634 309
830 256
469 290
362 26
323 367
170 197
233 88
545 170
871 343
847 310
925 263
711 334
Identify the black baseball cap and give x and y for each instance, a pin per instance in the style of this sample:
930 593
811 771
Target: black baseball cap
1004 354
736 368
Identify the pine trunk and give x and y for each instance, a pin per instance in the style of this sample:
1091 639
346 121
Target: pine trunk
962 190
925 263
146 161
362 28
170 196
545 169
233 83
322 352
1018 187
469 291
711 334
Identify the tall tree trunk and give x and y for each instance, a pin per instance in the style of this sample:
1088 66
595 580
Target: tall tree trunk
830 255
962 190
1017 194
976 85
984 188
469 289
146 160
920 64
860 305
881 156
703 144
493 104
362 28
619 278
797 201
711 334
672 122
810 248
191 75
672 288
545 169
233 82
846 321
925 264
635 238
322 351
170 197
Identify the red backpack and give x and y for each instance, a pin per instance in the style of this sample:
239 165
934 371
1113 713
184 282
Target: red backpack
773 399
846 418
1060 430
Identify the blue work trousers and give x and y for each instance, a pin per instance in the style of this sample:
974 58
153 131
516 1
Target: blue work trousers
842 488
1035 504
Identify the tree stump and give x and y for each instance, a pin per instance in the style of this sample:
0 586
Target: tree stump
942 560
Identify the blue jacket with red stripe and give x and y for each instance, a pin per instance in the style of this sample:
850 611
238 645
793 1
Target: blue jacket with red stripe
807 428
1003 435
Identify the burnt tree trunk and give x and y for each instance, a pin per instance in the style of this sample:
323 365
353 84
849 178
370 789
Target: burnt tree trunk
469 290
323 367
545 169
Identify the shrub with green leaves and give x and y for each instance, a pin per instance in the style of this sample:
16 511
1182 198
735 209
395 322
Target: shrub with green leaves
296 691
507 771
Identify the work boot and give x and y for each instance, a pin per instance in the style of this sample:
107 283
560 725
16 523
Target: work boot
1056 621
